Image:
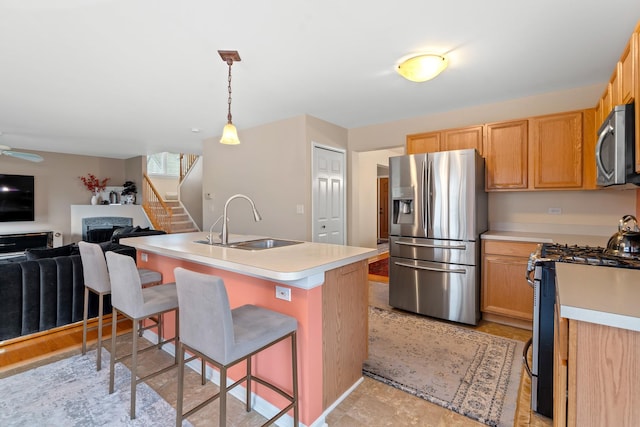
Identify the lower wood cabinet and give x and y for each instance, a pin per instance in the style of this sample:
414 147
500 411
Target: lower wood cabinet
596 374
506 296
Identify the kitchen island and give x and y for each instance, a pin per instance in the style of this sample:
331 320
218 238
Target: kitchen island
327 291
597 346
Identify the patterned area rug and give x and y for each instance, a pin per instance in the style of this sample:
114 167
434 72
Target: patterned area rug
469 372
380 268
71 392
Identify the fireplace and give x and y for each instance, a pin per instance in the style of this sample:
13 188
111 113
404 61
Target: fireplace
104 222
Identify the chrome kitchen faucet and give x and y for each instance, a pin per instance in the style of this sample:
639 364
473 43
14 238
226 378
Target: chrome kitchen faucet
224 236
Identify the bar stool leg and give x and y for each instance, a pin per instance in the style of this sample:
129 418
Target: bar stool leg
113 351
180 352
223 396
294 361
85 315
248 404
134 365
100 315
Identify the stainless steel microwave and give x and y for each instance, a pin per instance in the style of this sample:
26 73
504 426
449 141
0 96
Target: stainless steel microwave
615 149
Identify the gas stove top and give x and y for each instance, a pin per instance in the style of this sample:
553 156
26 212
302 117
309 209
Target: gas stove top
591 255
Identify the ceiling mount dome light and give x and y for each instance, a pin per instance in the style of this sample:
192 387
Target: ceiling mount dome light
421 68
229 133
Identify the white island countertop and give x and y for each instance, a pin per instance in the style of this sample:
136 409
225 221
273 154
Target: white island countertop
302 265
602 295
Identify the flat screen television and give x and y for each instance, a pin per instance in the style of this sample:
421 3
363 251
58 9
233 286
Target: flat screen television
16 198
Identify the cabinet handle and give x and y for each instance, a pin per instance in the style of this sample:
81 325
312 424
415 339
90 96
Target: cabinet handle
601 137
7 244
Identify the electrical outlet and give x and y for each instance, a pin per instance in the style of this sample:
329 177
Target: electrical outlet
554 211
300 209
283 293
144 257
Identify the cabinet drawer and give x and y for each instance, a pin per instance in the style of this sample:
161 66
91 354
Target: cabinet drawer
520 249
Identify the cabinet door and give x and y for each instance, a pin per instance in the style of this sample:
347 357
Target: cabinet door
505 291
556 142
461 139
506 156
423 143
627 70
614 84
560 369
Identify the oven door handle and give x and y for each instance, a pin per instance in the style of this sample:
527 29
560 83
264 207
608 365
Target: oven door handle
440 270
527 276
525 361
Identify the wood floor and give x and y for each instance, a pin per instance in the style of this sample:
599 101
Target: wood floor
21 353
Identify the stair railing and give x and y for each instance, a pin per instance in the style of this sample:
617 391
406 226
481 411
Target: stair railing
186 161
157 210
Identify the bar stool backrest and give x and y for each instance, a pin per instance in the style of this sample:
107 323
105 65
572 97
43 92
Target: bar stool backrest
205 314
94 267
126 289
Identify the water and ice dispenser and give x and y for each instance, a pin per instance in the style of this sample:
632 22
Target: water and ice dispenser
403 205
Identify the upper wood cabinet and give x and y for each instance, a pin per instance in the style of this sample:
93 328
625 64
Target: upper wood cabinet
423 143
556 150
461 139
446 140
624 88
506 155
627 71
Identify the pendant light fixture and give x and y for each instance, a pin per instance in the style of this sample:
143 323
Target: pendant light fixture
229 133
422 67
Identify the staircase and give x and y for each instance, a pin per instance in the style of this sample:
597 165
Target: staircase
180 221
168 215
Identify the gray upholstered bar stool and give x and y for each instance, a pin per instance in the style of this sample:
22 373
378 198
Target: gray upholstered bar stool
96 280
225 337
129 298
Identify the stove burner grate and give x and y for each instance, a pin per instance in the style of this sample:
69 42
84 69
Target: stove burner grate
591 255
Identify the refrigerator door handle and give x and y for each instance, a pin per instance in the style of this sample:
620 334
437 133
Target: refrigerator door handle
423 199
426 245
440 270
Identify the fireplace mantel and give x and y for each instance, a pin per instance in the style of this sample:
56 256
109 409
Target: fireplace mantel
78 212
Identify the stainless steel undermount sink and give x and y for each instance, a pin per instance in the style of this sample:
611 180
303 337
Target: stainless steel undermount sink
254 245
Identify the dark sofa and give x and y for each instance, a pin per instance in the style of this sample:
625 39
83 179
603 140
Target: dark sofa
44 289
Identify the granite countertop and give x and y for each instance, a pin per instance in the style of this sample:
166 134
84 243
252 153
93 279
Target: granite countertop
302 265
568 239
602 295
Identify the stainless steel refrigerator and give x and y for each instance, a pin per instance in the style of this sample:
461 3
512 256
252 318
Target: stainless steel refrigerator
438 209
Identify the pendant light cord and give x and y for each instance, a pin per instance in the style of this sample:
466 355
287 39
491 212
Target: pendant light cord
230 62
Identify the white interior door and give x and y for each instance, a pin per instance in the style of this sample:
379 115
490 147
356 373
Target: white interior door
328 195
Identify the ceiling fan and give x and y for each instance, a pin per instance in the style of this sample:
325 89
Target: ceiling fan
24 156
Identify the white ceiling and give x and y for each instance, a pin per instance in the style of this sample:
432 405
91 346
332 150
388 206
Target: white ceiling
120 78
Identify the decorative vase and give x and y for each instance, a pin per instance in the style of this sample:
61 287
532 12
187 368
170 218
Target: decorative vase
94 199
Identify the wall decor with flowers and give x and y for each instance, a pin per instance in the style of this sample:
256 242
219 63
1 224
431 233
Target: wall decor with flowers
94 185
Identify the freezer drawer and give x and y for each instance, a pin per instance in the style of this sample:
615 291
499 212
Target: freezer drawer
445 291
448 251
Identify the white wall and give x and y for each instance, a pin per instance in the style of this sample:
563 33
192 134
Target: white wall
165 184
191 192
364 199
583 212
